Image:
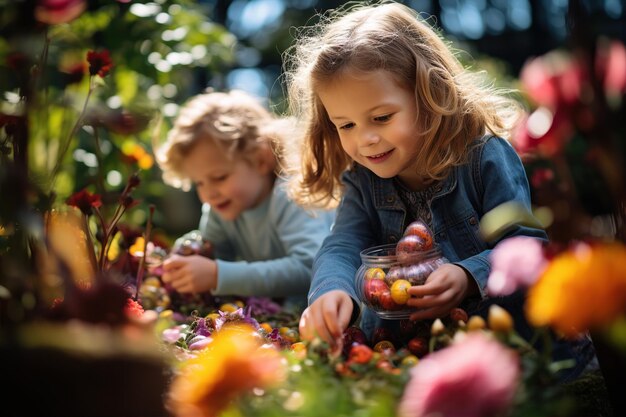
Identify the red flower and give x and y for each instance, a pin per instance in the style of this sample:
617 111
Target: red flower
52 12
99 62
133 309
85 201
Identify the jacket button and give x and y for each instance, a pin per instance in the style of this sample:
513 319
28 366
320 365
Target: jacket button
393 238
473 221
390 199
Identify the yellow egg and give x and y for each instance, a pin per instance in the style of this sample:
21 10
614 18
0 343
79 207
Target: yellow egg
212 317
152 281
290 335
375 273
229 308
166 314
384 345
400 291
298 346
267 327
409 361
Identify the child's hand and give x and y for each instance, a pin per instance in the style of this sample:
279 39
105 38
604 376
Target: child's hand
190 274
327 318
444 289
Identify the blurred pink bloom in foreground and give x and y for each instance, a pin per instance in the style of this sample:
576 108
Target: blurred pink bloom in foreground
476 377
53 12
516 263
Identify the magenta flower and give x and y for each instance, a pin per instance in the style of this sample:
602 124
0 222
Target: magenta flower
516 263
476 377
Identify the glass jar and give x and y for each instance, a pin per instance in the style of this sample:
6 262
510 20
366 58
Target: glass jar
382 280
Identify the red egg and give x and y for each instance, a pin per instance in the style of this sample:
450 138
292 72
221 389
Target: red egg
418 346
353 336
374 290
419 229
408 246
387 302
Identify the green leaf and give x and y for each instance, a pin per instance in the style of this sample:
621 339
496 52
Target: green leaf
504 217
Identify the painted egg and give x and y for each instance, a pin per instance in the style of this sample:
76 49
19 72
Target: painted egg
400 291
419 229
374 273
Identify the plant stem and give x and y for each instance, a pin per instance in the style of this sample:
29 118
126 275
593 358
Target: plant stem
68 140
142 262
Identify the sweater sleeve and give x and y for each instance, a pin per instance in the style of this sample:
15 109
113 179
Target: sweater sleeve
339 258
500 178
212 229
300 234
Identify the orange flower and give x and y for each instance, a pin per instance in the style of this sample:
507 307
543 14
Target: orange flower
233 363
561 296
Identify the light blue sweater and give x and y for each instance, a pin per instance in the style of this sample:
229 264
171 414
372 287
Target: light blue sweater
268 250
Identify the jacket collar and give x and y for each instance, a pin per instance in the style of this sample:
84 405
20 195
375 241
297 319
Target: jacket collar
386 196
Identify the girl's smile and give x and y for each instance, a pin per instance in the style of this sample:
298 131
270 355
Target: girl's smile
380 158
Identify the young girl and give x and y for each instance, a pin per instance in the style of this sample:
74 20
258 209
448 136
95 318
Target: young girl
263 243
399 131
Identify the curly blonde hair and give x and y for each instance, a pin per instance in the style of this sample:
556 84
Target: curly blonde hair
235 121
455 105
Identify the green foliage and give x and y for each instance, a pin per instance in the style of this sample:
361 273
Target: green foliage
91 133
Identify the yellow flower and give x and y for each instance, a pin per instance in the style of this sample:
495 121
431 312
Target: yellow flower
114 249
137 248
69 242
232 364
581 289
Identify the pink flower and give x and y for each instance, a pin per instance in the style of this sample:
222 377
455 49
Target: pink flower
516 263
554 79
545 132
476 377
53 12
611 67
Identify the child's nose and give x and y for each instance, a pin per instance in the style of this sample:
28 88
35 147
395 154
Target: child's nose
369 137
206 193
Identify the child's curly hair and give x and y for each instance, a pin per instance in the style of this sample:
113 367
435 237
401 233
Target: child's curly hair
235 121
455 106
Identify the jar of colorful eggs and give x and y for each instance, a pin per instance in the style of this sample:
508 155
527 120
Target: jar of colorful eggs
388 271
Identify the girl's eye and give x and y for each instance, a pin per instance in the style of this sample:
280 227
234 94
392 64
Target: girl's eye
384 118
220 178
346 126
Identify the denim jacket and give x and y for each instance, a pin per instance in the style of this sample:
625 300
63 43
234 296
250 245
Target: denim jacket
371 213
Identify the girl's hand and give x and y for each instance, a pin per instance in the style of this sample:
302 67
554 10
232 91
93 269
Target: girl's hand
327 318
444 289
190 274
